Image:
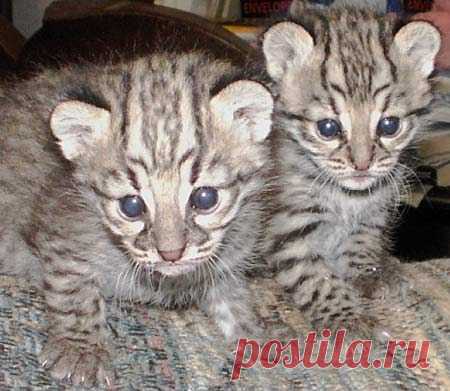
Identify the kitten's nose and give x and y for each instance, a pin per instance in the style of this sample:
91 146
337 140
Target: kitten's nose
172 255
362 166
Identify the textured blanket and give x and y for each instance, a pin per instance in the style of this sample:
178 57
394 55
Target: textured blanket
184 350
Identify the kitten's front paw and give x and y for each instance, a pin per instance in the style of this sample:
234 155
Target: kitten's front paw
75 364
352 314
357 326
235 320
379 283
242 327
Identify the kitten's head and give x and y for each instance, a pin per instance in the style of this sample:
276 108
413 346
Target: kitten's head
173 159
351 91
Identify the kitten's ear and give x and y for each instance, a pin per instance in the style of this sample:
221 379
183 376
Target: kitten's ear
297 7
245 107
420 42
286 44
77 126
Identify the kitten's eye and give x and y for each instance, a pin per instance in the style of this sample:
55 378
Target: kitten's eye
204 199
329 128
388 126
132 207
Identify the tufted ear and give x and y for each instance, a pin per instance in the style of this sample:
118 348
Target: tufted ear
245 107
286 44
420 43
77 126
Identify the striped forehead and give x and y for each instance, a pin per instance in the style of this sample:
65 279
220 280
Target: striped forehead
356 58
160 124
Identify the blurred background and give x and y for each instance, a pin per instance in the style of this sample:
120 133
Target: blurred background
27 14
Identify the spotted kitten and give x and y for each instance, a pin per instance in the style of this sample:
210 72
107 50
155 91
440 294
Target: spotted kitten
146 189
350 93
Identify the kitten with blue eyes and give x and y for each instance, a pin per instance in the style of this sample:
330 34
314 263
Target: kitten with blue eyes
350 94
139 181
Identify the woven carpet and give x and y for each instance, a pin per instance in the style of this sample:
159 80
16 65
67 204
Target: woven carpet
183 350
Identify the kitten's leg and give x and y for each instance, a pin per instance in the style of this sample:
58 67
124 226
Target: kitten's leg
364 262
77 349
326 299
229 307
295 251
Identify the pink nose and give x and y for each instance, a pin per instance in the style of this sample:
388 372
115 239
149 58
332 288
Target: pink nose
362 166
172 255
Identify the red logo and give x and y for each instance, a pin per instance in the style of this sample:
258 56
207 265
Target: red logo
315 352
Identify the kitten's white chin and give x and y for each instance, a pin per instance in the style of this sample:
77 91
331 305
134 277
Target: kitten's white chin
176 269
357 183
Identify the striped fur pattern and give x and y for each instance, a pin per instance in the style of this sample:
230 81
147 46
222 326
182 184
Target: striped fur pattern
157 128
328 235
298 6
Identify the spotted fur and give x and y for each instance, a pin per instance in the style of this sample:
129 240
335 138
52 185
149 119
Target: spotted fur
335 198
158 128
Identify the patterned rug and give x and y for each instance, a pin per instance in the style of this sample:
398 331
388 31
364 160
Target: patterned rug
165 350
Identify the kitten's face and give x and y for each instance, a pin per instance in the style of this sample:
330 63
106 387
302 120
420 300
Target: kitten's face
177 178
351 101
356 141
174 217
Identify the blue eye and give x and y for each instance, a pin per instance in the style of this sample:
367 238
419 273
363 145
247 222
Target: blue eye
329 128
132 207
204 198
388 126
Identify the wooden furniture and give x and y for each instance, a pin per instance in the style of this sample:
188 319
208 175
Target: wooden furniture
121 29
11 43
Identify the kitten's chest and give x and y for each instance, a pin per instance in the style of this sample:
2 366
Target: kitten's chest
349 213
